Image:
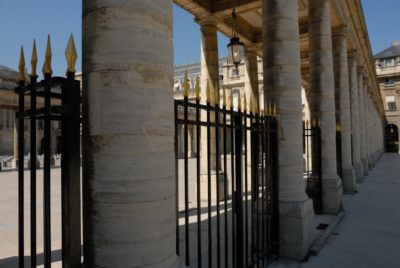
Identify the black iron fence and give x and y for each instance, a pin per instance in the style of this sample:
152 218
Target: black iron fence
339 152
227 203
312 163
61 98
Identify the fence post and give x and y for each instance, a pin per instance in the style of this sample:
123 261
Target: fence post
238 192
70 173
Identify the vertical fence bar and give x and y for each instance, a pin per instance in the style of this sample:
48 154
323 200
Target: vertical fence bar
225 188
198 134
217 158
176 177
33 167
254 157
263 185
186 170
275 186
246 224
46 174
20 131
209 184
233 185
238 194
70 173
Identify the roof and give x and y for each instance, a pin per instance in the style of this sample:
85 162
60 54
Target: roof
390 52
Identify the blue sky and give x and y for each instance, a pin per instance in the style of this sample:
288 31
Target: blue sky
23 20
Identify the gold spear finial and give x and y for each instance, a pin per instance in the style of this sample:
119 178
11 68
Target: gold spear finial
71 55
224 97
239 102
338 127
216 93
273 109
244 102
21 66
231 100
34 59
208 91
268 110
251 105
197 88
186 85
47 63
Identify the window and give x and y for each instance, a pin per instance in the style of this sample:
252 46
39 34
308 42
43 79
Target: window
389 82
235 72
390 103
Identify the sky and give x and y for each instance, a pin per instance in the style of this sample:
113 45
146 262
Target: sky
24 20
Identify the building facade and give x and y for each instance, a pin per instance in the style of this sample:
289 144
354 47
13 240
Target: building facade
387 64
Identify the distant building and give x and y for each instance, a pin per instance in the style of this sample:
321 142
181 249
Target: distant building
387 64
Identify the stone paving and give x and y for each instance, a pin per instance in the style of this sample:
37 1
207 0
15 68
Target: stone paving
369 234
367 237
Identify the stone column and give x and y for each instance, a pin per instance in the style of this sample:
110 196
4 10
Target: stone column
367 125
322 102
282 84
362 120
355 117
209 75
341 73
128 132
251 84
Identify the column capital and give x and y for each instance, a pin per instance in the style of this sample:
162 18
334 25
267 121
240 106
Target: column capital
340 31
352 54
207 21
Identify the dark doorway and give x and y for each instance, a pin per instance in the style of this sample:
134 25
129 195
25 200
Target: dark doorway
392 138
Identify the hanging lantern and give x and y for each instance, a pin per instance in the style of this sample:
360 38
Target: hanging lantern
236 49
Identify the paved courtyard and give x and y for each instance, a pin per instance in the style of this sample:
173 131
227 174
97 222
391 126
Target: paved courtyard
368 236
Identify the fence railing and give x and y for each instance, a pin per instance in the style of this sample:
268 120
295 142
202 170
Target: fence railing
61 103
312 163
227 196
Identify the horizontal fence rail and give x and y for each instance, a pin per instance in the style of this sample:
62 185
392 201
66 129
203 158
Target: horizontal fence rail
226 209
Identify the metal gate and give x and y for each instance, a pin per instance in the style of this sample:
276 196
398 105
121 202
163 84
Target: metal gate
227 203
61 98
312 163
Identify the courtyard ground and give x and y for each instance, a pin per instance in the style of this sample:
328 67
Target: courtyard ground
367 237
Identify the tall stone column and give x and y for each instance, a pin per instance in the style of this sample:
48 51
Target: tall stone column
355 117
367 125
251 83
322 102
362 120
209 75
341 73
128 133
282 84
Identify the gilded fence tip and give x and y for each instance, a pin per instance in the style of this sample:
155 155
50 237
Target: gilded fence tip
239 102
231 100
34 59
244 102
197 88
216 93
186 85
224 98
47 63
208 91
71 54
273 109
21 66
338 128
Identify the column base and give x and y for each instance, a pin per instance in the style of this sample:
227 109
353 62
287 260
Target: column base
358 167
296 229
332 193
349 181
365 166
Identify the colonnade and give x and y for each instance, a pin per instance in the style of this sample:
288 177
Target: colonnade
128 153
